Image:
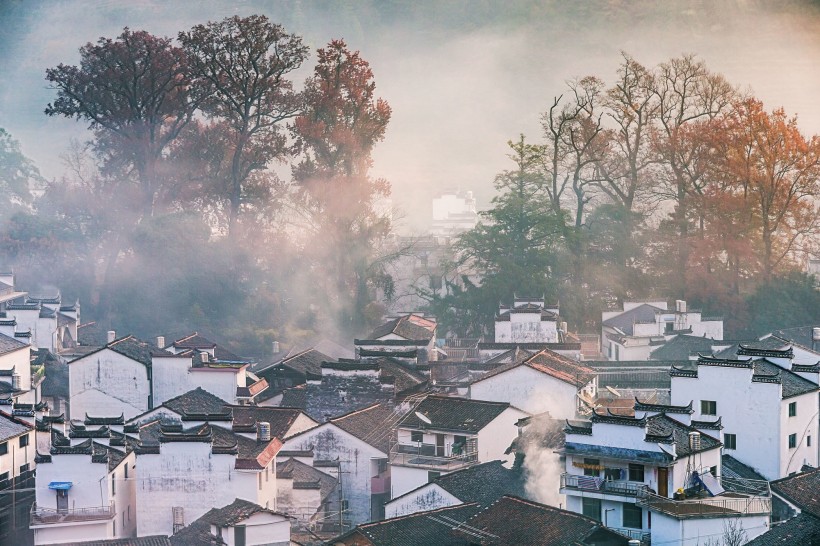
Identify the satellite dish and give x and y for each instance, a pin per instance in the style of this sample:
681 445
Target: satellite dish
613 391
423 418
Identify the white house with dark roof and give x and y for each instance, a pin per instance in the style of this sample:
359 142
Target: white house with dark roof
528 321
543 382
359 443
640 327
17 466
240 523
184 472
655 475
307 493
768 412
444 434
15 371
85 492
411 333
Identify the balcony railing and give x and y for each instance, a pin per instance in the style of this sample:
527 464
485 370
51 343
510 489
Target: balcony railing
727 505
430 457
633 534
50 516
598 485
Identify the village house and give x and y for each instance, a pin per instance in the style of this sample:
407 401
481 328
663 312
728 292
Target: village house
16 382
481 484
768 412
799 493
528 321
444 434
17 466
359 444
640 327
543 382
408 334
184 472
291 371
656 476
240 523
85 491
508 520
307 494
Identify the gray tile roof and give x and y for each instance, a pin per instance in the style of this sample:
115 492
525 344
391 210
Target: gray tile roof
411 327
9 344
135 349
454 414
732 468
236 512
198 403
305 476
11 427
626 320
664 426
155 540
280 419
549 363
803 529
802 490
793 384
681 347
484 483
372 424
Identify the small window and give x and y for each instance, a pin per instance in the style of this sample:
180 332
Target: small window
113 483
591 508
432 475
730 441
239 535
4 448
713 471
126 471
708 407
24 468
808 441
792 441
612 474
633 516
636 473
592 468
129 512
417 436
24 440
792 409
123 520
260 481
114 528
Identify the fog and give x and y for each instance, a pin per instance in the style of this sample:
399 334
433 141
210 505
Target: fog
462 78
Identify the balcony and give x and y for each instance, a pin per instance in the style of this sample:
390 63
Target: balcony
51 516
429 456
727 504
645 537
592 484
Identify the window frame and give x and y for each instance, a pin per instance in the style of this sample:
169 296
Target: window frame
729 440
417 434
793 441
587 506
24 441
633 510
792 409
4 448
637 468
589 471
708 407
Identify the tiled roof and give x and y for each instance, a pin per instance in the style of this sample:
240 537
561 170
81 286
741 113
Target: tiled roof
155 540
454 414
406 378
280 419
295 397
305 476
664 408
803 529
250 454
198 403
411 326
133 348
9 344
732 468
511 520
663 426
550 363
799 335
196 534
252 390
802 490
751 348
626 320
419 529
793 384
307 362
483 483
11 426
681 347
372 424
516 355
622 453
236 512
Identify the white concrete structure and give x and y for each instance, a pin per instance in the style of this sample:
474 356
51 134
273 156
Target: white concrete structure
17 466
769 413
183 474
544 382
306 493
407 333
15 370
634 332
85 492
453 213
445 434
528 321
240 523
620 468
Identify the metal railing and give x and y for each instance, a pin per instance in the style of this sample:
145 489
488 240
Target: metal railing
721 506
49 516
634 534
422 455
588 483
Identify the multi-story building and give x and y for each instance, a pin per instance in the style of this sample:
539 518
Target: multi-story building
17 463
528 321
656 476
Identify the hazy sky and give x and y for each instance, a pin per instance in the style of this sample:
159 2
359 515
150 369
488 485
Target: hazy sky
462 77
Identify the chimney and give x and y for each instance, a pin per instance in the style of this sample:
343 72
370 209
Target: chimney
204 357
112 335
161 342
275 347
694 441
263 431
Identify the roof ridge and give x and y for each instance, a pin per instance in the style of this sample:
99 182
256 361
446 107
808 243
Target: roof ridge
353 412
416 514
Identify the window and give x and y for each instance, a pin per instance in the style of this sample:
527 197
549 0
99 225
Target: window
633 516
417 437
636 472
4 448
730 441
239 535
113 483
792 409
591 467
708 407
792 441
123 520
129 512
808 441
592 508
25 468
24 440
432 475
260 481
178 515
612 474
713 471
267 474
114 527
126 471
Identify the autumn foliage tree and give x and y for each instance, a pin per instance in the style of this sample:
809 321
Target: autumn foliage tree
134 91
342 122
